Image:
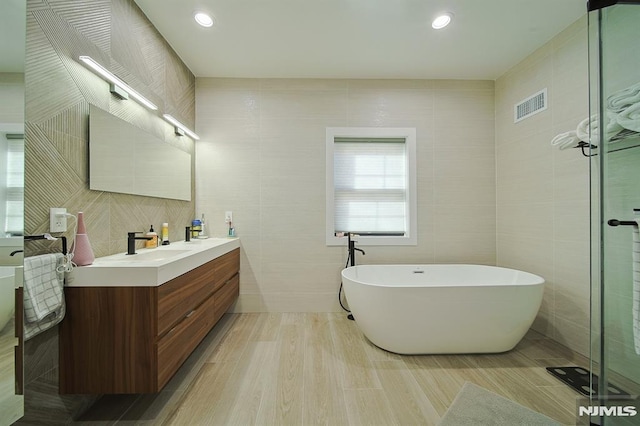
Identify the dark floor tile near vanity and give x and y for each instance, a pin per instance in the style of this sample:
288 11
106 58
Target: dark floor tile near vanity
108 409
40 355
44 406
151 409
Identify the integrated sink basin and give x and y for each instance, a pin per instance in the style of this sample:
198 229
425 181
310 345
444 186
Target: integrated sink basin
150 267
151 255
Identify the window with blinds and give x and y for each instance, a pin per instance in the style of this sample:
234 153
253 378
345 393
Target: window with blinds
14 216
371 185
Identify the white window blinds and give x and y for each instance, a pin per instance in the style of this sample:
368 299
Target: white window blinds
14 222
370 186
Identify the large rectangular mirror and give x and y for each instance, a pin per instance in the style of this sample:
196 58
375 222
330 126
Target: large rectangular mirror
13 15
126 159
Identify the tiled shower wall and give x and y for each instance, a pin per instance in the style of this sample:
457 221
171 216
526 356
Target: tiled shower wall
58 93
543 192
262 156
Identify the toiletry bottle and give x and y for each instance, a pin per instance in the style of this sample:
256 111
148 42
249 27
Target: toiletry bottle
196 227
165 234
153 242
202 232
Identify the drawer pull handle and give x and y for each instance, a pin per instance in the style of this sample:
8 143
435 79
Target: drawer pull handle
190 313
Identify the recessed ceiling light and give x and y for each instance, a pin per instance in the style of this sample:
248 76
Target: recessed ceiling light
441 20
203 19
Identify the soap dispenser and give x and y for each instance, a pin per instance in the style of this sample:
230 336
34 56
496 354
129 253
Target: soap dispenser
165 234
153 242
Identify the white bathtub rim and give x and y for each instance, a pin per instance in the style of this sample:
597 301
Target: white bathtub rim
525 278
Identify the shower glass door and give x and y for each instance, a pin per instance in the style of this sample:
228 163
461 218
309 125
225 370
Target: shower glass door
614 57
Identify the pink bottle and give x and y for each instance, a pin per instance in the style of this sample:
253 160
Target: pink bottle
82 252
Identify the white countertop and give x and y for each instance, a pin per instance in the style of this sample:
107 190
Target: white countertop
150 267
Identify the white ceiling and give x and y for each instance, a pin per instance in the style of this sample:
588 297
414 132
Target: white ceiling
339 38
358 38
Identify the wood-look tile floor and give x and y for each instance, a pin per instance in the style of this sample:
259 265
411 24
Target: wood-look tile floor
318 368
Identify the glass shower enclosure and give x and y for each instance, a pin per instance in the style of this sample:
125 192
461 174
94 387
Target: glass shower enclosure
614 75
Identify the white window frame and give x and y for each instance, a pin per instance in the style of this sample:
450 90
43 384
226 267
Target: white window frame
407 133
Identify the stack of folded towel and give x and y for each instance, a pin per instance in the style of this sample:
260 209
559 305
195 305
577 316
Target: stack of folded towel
592 124
622 121
566 140
43 293
622 99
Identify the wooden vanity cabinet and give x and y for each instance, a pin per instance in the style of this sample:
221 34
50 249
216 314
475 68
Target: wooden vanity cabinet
134 339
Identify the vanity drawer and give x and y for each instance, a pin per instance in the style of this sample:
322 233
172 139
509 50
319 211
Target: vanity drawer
176 346
227 295
179 296
226 267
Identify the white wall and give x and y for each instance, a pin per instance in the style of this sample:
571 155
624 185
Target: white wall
262 155
543 192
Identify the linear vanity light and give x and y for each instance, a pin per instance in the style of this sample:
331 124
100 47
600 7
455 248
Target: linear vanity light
119 87
181 129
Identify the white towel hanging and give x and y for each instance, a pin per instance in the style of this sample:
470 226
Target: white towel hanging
43 293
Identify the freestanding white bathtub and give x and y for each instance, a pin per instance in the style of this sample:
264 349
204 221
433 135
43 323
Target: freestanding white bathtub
442 309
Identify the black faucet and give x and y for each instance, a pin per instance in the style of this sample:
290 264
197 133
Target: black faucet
352 250
131 241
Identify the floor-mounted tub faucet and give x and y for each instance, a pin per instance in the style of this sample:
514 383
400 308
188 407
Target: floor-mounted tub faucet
351 240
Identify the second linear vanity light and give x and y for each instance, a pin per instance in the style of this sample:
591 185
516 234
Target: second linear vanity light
181 129
117 86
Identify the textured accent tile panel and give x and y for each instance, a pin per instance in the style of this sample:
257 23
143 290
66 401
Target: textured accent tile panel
138 48
68 132
33 5
91 18
180 90
125 46
49 181
48 87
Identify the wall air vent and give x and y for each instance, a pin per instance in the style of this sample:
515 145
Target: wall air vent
530 106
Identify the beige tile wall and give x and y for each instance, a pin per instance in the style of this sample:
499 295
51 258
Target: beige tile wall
543 192
262 156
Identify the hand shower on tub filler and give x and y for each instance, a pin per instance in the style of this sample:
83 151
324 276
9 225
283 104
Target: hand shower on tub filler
352 239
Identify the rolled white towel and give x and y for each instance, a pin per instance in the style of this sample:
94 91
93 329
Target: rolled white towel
566 140
612 127
629 118
622 99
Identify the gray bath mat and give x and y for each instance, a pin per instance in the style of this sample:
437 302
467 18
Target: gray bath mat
476 406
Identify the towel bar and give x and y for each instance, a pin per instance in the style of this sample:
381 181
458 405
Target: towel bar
616 222
50 238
